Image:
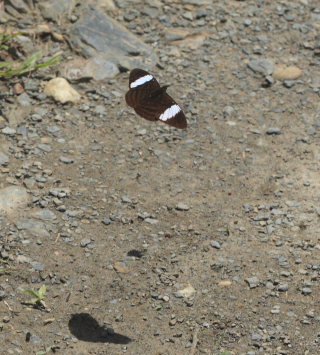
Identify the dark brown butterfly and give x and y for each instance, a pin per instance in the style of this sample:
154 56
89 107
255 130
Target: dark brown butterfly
151 101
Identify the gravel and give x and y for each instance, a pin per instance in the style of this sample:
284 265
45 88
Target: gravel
149 237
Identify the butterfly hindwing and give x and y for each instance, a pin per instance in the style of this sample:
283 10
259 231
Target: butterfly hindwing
151 101
174 116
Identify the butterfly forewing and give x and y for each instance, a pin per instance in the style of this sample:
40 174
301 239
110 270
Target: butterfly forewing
141 83
141 79
151 101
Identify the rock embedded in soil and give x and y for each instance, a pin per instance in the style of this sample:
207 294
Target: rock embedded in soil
215 244
106 221
306 291
196 2
8 131
35 228
283 287
289 83
61 90
97 68
192 41
282 72
24 100
262 66
54 130
4 159
85 242
262 217
174 34
66 160
275 309
274 131
185 292
253 282
4 254
182 207
151 220
121 267
97 34
37 266
54 11
45 147
12 198
3 294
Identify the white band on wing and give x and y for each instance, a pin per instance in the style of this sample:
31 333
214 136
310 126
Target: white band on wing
141 81
169 112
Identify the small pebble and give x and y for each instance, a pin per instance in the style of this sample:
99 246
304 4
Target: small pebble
306 291
283 287
274 131
253 282
182 207
8 131
66 160
84 242
215 244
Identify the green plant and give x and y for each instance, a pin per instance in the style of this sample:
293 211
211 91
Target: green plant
12 68
5 39
38 296
43 352
33 62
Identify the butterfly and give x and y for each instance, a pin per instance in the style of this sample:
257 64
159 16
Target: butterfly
151 101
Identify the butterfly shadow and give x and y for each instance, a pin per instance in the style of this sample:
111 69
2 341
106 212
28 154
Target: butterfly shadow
84 327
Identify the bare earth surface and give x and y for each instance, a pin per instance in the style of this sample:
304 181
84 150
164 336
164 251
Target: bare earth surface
153 240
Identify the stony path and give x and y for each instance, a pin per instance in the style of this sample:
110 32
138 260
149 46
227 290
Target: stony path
145 235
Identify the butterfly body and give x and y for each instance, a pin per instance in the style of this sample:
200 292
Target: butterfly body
151 101
157 92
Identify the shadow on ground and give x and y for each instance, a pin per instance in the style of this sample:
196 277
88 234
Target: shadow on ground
86 328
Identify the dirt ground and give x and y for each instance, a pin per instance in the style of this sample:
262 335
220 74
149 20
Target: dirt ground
153 240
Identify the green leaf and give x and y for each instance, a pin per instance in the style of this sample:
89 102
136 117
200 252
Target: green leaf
42 291
28 65
32 293
43 352
5 64
52 61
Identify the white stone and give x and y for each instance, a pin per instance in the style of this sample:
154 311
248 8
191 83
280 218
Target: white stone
61 90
